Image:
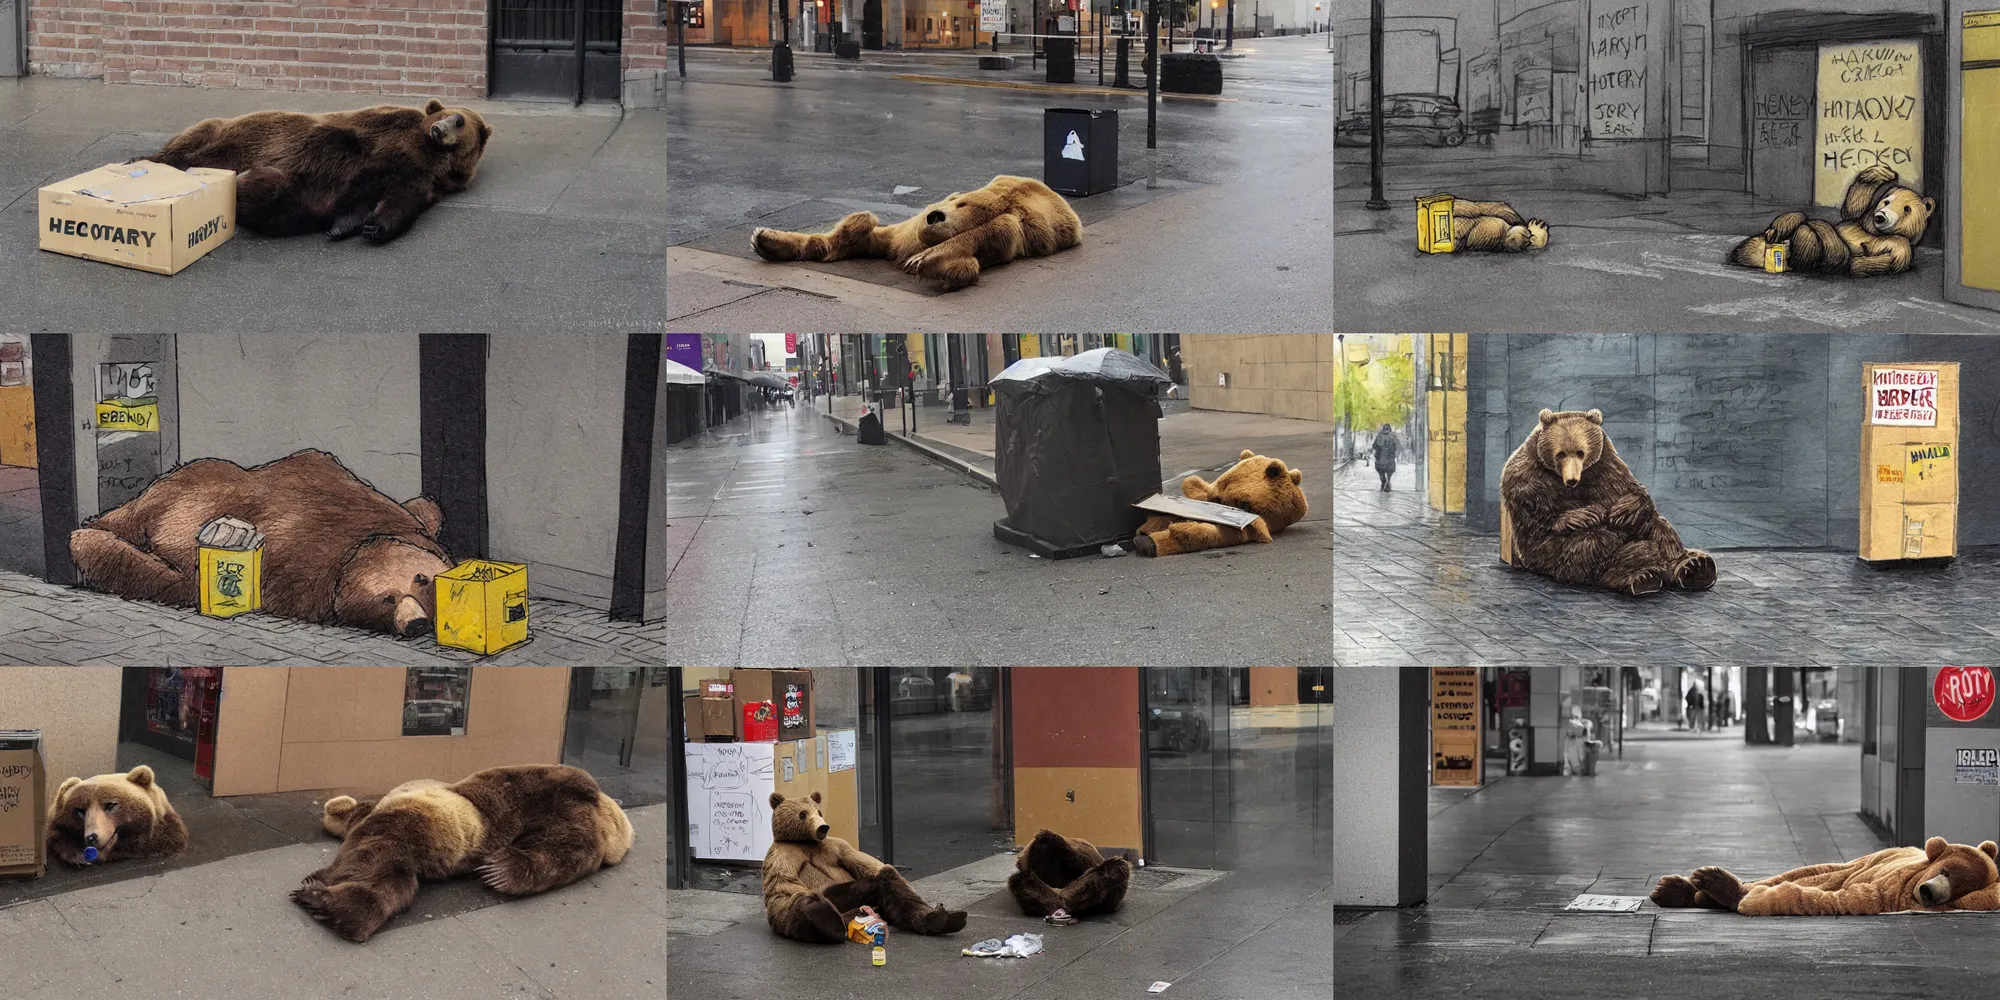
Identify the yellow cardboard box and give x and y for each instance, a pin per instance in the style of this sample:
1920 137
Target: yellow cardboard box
141 215
231 568
1434 224
482 606
1909 461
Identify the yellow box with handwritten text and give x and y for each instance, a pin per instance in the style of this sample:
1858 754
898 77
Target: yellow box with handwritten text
482 606
1909 461
1434 224
232 580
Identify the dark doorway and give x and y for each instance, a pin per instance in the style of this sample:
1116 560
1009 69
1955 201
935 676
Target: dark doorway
54 437
949 767
539 50
643 357
871 24
1783 91
451 378
173 710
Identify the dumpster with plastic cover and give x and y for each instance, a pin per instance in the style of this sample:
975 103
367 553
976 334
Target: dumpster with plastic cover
1076 444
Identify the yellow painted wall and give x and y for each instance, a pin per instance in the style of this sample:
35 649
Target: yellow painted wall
1445 451
1105 811
17 426
1979 155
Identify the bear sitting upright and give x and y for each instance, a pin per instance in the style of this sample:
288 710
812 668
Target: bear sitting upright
525 829
1263 486
1880 221
1055 872
951 239
119 815
813 883
1940 876
1580 516
335 550
369 172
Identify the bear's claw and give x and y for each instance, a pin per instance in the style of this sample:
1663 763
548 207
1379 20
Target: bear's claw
1674 891
1719 885
1695 571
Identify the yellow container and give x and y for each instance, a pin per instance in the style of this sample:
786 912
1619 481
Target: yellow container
482 606
232 581
1434 224
1775 255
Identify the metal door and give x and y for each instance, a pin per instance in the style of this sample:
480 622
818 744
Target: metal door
13 37
539 53
1782 98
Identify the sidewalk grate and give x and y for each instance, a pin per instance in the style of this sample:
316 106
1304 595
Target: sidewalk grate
1153 878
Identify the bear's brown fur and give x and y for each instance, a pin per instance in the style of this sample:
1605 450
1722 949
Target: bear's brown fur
1261 485
951 239
813 883
1939 876
1580 516
1880 221
122 815
525 829
1055 872
335 550
1494 226
370 171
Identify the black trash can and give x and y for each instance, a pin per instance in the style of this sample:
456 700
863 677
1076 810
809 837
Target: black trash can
1061 55
1080 150
1076 444
1190 73
847 50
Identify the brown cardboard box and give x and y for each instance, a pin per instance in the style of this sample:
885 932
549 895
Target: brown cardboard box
789 690
709 719
141 215
24 804
838 776
1506 536
1909 461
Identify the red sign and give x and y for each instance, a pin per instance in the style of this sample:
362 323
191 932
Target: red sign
1963 694
791 343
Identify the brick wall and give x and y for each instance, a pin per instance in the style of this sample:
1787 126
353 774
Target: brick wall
63 38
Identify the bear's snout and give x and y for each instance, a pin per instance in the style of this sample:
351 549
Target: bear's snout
819 832
934 218
90 839
1882 220
1935 891
411 618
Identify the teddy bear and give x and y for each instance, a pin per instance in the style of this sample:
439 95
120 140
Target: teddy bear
1054 872
1939 876
814 883
1264 486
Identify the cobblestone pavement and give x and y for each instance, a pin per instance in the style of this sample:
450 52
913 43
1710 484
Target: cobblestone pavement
45 624
1506 859
1413 587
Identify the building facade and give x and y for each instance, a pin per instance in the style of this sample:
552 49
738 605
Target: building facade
1279 375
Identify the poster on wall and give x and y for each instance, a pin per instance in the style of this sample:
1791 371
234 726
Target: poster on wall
1870 113
1620 48
1455 748
434 701
1903 397
729 809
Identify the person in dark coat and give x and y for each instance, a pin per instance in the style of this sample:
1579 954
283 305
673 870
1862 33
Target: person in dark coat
1385 455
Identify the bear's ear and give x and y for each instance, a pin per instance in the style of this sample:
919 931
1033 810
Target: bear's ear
1595 416
1930 206
1247 453
1548 417
815 798
485 132
1989 848
777 799
434 106
1295 476
427 512
141 776
62 791
1935 847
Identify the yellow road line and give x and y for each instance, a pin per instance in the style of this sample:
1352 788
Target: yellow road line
1053 88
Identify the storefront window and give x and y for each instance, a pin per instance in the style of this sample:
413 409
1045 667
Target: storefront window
947 761
174 709
617 730
434 701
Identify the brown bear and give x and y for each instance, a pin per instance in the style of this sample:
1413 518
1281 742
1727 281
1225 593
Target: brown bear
1880 220
950 240
525 829
113 816
1494 226
1263 486
1580 516
1055 872
1939 876
371 171
813 883
335 550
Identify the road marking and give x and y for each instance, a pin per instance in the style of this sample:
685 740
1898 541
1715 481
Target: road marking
1049 88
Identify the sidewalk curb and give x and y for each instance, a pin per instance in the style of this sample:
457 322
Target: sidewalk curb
955 462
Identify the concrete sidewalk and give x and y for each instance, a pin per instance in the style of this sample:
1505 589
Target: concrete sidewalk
563 230
228 931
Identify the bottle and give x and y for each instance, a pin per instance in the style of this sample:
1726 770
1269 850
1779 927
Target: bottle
881 956
90 855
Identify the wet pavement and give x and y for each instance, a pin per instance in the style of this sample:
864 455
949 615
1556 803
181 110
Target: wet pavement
1240 208
1417 588
792 545
1614 264
1506 859
564 228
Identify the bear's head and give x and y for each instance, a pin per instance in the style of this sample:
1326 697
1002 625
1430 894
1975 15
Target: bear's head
1955 870
386 585
104 811
1569 442
460 132
797 819
957 212
1899 211
1263 486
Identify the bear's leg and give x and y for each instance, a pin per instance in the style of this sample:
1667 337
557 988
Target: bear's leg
395 214
1191 536
1750 252
852 236
343 813
1033 895
356 910
1719 885
1792 900
267 202
1577 557
544 859
955 263
898 903
1638 568
1099 890
809 917
1694 570
1497 209
1674 892
116 566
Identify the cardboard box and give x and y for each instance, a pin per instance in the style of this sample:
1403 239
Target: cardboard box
482 606
1434 224
789 690
231 568
709 719
24 804
1506 536
1909 461
141 215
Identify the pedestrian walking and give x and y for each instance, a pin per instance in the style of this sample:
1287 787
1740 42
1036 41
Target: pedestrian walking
1696 701
1385 455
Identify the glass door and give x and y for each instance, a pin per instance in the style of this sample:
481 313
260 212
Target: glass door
950 778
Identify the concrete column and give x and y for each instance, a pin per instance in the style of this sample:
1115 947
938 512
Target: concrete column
1545 718
1381 760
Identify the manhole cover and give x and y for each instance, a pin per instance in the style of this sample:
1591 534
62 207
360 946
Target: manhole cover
1154 878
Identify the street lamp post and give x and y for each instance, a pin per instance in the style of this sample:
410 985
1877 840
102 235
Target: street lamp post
1229 28
1375 134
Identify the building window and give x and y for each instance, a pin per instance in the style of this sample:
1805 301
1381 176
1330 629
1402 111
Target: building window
697 14
434 701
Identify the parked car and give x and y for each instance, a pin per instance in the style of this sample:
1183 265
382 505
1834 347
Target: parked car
1407 120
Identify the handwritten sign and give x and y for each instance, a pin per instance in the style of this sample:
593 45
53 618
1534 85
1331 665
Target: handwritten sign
732 823
1871 111
1455 726
1617 86
729 813
1903 397
840 750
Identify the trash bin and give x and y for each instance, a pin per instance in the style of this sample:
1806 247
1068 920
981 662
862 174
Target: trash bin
1080 150
1061 55
1076 444
1190 73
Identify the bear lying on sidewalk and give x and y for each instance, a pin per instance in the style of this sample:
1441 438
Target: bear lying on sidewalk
525 829
813 883
118 815
1494 226
951 239
1263 486
1055 872
1940 876
1880 221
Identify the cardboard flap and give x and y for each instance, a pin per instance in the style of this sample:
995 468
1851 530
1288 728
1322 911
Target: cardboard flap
1197 510
133 183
